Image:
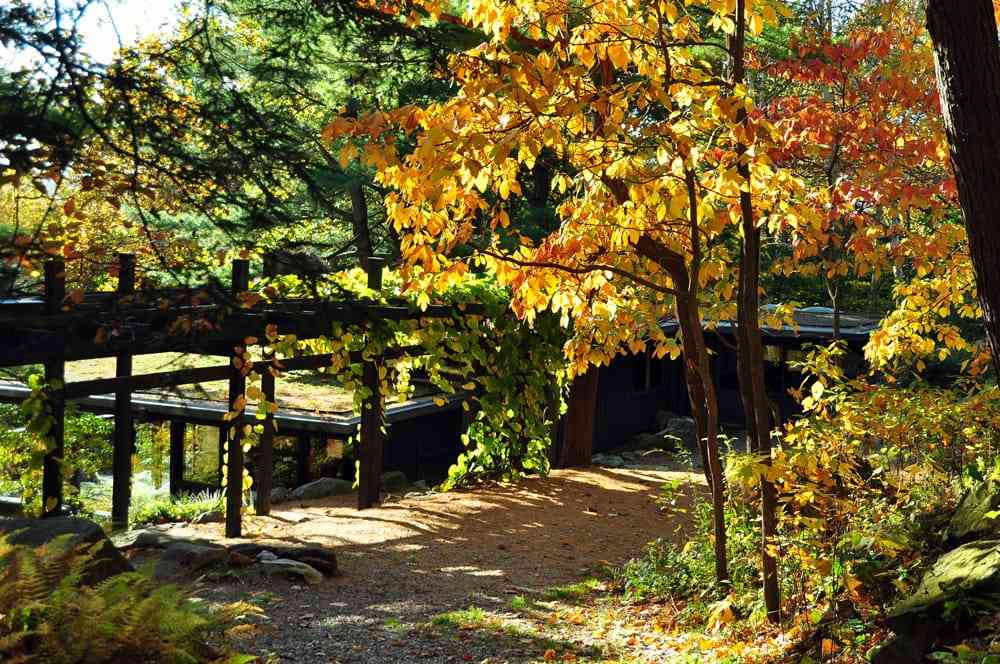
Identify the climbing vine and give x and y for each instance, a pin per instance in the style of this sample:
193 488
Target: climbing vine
508 373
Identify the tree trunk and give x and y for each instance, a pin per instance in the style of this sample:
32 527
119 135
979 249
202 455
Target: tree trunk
967 61
701 388
359 222
705 401
750 350
578 434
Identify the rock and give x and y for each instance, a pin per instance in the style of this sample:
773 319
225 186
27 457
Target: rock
420 485
212 516
285 566
972 571
393 480
649 441
662 419
279 494
106 560
683 429
608 460
318 557
908 648
321 488
182 558
978 513
237 559
322 559
290 517
154 537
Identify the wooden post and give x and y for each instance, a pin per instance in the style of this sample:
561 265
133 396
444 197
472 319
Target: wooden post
234 447
303 449
578 433
55 370
177 430
370 453
121 491
265 456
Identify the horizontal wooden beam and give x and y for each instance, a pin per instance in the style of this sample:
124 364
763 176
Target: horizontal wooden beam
85 388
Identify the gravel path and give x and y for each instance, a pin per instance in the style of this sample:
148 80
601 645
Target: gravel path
407 564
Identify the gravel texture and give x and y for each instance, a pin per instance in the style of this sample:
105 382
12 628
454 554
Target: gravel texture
409 561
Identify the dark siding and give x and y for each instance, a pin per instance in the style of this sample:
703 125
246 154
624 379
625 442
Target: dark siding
424 447
630 392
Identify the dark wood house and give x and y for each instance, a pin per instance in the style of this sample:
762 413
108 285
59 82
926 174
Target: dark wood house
634 388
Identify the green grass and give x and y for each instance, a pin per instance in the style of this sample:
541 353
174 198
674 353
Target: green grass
506 634
394 624
522 604
463 618
573 591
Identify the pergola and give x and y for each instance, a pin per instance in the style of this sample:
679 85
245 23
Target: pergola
210 321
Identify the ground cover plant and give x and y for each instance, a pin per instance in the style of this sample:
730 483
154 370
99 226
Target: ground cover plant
47 616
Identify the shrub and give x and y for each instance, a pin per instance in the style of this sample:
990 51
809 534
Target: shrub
686 573
88 450
184 507
47 616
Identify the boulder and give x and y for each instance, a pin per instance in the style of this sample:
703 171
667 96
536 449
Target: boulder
279 494
285 566
608 460
182 558
318 557
106 560
393 480
321 488
683 429
978 514
662 419
155 537
650 441
907 648
237 559
972 571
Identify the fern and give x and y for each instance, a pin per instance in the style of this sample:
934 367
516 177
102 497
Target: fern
47 616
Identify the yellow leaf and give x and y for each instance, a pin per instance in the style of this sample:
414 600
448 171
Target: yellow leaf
618 56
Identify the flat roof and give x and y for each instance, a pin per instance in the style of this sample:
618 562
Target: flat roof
206 411
810 323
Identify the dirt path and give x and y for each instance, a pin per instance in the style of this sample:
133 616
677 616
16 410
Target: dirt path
412 569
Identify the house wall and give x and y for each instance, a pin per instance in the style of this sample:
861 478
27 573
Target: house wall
633 388
424 447
630 391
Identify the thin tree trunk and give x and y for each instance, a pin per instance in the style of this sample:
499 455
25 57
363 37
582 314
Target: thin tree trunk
701 388
967 62
833 290
704 400
750 350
